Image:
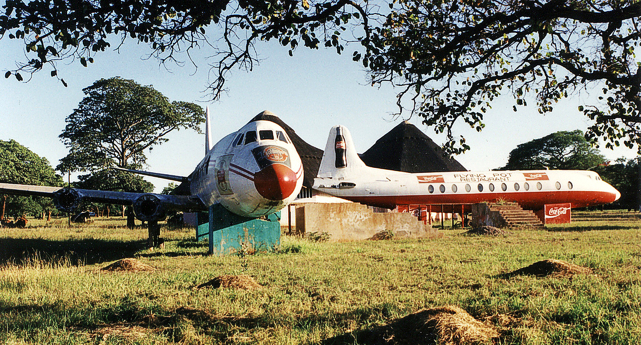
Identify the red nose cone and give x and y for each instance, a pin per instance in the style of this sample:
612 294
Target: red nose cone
275 182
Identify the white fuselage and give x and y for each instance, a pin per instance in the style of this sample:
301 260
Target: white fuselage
386 188
252 172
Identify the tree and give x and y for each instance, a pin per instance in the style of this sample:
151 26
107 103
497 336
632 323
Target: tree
20 165
624 176
169 189
56 30
560 150
451 58
113 180
117 121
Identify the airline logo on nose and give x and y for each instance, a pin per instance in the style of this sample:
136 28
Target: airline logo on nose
268 155
275 154
536 176
430 179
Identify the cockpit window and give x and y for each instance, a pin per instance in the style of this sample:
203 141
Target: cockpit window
250 137
239 139
266 135
281 136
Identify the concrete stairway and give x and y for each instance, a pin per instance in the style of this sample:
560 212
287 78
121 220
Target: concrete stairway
515 217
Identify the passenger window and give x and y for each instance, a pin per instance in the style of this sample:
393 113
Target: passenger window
281 136
454 188
526 186
239 139
480 187
468 188
503 187
250 137
430 189
570 185
558 185
266 135
516 186
539 186
442 188
491 187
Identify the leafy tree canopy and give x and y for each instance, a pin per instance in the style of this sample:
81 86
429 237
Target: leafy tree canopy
169 189
624 176
454 57
117 121
113 180
18 164
450 58
560 150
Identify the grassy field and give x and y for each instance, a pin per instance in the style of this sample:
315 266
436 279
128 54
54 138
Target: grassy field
53 291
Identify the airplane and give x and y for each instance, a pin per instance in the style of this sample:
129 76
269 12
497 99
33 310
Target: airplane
253 172
343 174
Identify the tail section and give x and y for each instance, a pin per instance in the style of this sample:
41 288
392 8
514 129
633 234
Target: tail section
340 158
209 142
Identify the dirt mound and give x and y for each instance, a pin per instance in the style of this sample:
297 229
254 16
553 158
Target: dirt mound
551 267
444 325
487 230
242 281
383 235
128 265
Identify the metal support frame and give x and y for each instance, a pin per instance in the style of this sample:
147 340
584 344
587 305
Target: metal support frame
229 233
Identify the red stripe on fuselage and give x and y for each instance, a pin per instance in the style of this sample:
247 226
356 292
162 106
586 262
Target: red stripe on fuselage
240 171
528 200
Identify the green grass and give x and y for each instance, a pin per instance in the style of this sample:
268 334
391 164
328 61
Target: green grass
52 290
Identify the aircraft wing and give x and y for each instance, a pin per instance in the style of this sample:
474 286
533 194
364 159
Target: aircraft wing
153 174
27 190
147 206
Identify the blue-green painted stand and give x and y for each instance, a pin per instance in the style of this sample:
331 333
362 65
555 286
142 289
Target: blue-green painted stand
230 233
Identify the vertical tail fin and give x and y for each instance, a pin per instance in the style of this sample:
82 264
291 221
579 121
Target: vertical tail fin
208 133
340 158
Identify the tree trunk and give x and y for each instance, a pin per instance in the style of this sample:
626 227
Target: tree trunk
4 203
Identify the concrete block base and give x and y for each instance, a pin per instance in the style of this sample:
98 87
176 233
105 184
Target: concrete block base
352 221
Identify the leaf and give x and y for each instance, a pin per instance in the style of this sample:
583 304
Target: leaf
8 74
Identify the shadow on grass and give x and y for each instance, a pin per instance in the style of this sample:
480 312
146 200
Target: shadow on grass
75 252
582 228
131 312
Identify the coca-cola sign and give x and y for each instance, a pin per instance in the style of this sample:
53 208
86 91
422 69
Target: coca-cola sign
535 176
558 213
430 179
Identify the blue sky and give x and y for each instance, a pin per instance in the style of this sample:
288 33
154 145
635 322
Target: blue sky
312 91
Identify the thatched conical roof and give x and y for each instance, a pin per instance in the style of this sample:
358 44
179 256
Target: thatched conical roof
407 148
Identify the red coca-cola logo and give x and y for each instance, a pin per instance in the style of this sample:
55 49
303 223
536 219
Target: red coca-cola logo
557 211
430 179
340 145
535 176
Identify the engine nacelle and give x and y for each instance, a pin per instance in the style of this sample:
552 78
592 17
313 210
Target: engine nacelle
67 199
149 207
